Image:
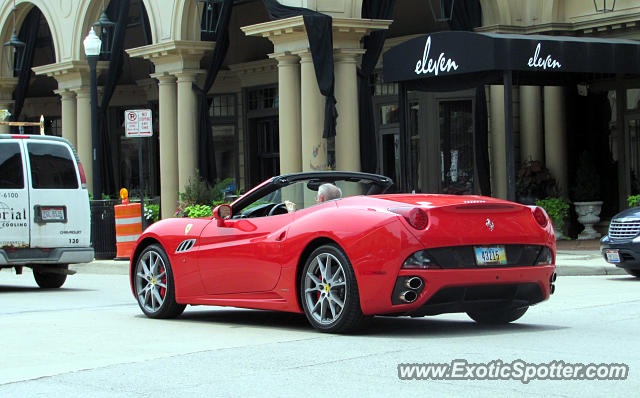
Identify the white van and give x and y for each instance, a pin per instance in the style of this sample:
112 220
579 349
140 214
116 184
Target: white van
45 221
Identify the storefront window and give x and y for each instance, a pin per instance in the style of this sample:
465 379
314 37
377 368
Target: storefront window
456 147
382 88
633 99
389 114
223 105
262 98
223 130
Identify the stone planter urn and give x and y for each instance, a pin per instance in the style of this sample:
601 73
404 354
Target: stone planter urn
558 232
588 215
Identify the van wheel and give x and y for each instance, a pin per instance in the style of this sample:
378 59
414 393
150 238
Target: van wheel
47 280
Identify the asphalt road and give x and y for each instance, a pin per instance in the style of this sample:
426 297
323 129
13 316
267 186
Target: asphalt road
89 339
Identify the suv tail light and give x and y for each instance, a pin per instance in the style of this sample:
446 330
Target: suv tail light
83 178
540 216
415 216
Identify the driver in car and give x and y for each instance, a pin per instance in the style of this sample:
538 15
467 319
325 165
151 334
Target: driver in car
326 192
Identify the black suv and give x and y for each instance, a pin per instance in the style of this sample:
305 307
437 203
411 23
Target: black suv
621 246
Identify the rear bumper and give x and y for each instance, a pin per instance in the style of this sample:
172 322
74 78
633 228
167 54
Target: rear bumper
461 290
60 255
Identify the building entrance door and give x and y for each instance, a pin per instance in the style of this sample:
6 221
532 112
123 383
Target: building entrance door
457 157
265 159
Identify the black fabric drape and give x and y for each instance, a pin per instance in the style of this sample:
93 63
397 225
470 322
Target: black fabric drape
118 11
319 32
206 153
467 16
373 43
29 35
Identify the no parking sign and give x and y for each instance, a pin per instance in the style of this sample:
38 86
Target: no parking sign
138 123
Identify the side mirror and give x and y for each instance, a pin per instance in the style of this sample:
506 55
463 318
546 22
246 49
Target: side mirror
222 213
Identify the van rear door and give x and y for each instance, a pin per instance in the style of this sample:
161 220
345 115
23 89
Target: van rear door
59 204
14 195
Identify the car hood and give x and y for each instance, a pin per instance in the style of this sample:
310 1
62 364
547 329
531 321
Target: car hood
633 213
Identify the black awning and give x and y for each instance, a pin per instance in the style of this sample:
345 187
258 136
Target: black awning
455 60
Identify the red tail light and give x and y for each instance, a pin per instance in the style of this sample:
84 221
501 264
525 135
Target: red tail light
540 216
83 178
415 216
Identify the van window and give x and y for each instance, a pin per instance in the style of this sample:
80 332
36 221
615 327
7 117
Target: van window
11 176
52 166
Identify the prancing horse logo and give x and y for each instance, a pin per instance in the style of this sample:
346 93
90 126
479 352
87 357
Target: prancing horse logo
489 224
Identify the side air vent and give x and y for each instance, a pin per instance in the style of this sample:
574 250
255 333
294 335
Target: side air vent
185 245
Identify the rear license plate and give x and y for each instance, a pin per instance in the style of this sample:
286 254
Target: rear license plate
613 256
52 213
491 255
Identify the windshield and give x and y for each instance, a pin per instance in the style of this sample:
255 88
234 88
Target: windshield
302 194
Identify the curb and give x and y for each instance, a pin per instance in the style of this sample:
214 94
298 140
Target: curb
581 270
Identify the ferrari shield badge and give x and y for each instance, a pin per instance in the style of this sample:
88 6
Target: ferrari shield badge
187 228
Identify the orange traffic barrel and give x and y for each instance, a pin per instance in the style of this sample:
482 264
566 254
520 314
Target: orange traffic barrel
128 228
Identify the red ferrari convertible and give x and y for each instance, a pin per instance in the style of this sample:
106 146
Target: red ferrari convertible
345 260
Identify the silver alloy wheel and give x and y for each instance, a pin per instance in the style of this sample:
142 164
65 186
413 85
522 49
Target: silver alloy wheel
151 281
325 288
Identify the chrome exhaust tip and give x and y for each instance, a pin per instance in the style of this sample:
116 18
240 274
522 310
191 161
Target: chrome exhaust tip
408 296
552 288
414 283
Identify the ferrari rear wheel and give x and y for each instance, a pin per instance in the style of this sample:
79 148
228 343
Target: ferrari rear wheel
154 287
329 291
497 317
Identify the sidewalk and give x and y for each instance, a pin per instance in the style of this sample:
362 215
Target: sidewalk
582 257
574 257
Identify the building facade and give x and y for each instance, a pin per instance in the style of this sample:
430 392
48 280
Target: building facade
267 112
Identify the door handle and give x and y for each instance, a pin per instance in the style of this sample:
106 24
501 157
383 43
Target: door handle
281 237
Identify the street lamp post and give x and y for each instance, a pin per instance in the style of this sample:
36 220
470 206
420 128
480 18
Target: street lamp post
92 44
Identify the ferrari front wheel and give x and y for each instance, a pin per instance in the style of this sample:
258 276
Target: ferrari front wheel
329 291
497 316
154 286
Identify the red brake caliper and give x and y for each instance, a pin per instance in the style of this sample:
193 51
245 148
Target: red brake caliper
164 282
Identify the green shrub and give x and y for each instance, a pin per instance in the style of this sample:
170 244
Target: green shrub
151 212
633 200
557 209
200 195
196 211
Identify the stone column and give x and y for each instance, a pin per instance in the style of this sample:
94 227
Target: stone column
187 134
290 130
314 147
555 136
346 91
531 134
7 86
498 154
69 116
6 104
83 141
167 104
